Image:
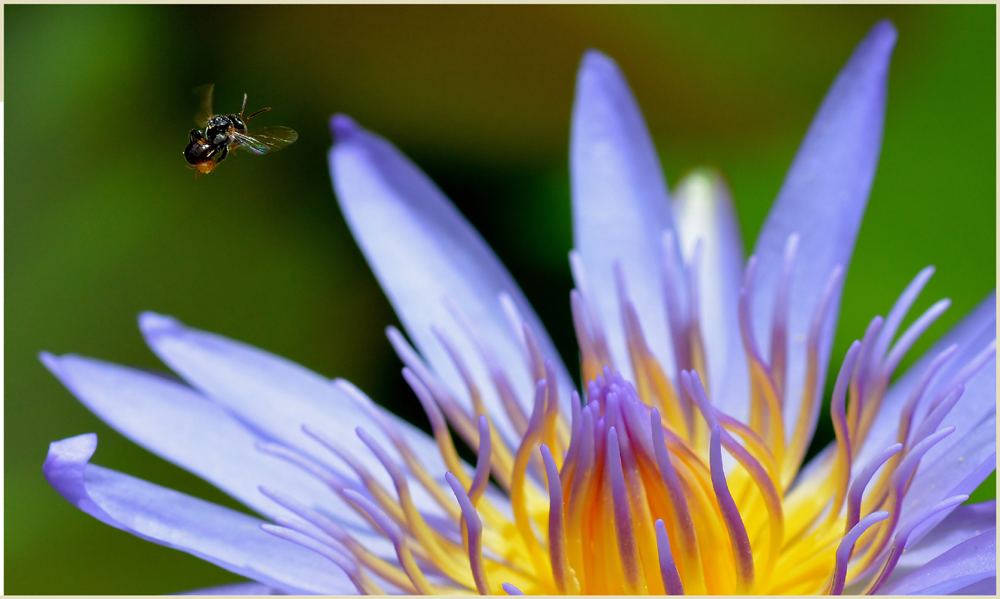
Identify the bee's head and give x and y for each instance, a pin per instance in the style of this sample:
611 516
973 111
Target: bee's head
237 123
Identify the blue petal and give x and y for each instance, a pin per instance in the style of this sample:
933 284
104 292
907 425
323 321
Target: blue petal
178 424
965 564
986 586
972 335
274 398
423 252
959 471
823 199
219 535
239 588
962 454
965 522
620 205
973 444
703 207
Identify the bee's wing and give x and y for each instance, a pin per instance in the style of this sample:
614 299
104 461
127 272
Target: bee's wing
267 139
254 146
205 93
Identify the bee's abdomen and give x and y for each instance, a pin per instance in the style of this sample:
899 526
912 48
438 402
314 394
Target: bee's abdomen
197 151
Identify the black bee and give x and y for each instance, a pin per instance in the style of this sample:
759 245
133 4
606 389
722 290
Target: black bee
223 133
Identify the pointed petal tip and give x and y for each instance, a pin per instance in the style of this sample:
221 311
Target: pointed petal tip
595 63
704 175
73 450
343 127
704 185
594 58
151 324
511 589
885 31
878 44
86 441
50 361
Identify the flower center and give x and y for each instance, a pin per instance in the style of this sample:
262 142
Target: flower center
634 493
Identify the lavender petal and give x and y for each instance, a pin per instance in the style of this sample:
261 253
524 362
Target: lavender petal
211 532
975 404
959 471
986 586
823 199
275 397
620 204
423 253
178 424
237 588
704 211
964 564
963 523
972 335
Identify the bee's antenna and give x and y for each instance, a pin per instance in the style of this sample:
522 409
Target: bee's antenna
256 113
244 106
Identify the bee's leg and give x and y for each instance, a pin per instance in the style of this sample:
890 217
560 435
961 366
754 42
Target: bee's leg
195 135
223 154
244 106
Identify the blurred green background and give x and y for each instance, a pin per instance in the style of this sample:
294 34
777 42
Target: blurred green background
102 220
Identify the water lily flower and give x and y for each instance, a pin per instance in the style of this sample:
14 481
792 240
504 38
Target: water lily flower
679 467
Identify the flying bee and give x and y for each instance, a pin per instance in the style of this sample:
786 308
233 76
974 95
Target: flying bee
225 133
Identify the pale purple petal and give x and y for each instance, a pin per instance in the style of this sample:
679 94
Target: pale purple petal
975 404
963 460
823 199
964 564
424 252
704 211
275 397
960 471
178 424
620 204
511 589
973 335
211 532
963 523
238 588
986 586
